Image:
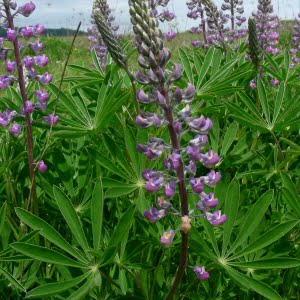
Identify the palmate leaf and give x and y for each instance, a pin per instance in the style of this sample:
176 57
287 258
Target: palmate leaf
229 137
48 232
262 95
46 255
186 65
80 293
12 280
252 220
258 286
67 210
55 288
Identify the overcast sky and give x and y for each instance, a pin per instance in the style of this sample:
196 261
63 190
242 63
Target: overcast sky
67 13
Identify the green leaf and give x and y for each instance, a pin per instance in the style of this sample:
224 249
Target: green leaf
48 232
231 210
46 255
211 234
267 238
253 219
12 280
186 65
55 288
270 263
97 203
281 95
229 137
122 227
80 293
262 95
2 216
67 210
258 286
290 193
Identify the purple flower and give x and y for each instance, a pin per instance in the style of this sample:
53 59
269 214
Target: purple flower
36 46
200 140
191 168
154 215
10 66
28 107
274 82
170 189
45 79
197 184
252 84
38 29
201 273
15 129
27 32
28 62
4 82
200 125
162 203
153 185
193 153
42 95
27 9
51 119
170 35
216 218
41 60
6 117
207 201
174 160
142 97
185 112
42 166
167 238
188 94
11 34
212 178
209 159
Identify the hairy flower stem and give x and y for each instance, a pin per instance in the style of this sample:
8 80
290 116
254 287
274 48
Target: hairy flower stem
184 205
31 202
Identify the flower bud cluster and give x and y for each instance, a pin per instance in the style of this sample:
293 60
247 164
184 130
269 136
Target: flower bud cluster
295 50
164 15
267 26
169 105
94 35
29 68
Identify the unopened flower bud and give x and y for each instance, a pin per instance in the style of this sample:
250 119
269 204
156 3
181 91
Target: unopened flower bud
185 225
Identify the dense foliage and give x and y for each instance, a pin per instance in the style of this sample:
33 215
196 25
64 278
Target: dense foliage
83 234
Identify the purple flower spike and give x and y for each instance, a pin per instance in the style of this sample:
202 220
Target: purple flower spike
174 160
28 107
11 34
27 9
197 184
216 218
42 95
212 178
209 159
154 215
201 273
15 129
51 119
10 66
45 79
42 166
167 238
27 32
41 60
170 189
